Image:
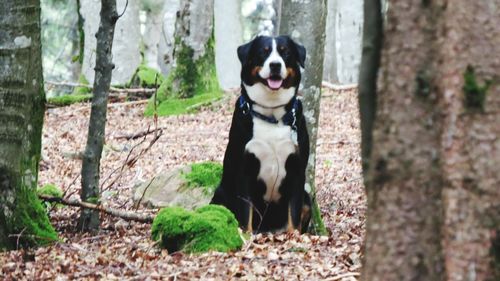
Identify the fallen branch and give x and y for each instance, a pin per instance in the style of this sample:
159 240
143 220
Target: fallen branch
338 87
112 89
348 274
126 215
139 134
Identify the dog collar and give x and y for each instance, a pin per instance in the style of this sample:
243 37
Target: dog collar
289 119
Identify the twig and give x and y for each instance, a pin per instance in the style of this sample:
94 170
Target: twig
137 135
143 193
338 87
126 215
125 9
131 161
338 277
127 103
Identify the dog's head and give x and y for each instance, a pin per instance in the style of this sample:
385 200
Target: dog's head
271 66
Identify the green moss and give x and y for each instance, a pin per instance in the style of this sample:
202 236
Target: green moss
317 226
69 99
423 83
475 95
188 84
145 77
82 90
50 190
211 227
30 220
205 175
177 106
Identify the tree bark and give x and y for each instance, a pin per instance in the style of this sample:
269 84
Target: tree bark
305 22
166 45
432 185
370 62
194 68
21 119
228 36
330 62
277 4
89 219
126 40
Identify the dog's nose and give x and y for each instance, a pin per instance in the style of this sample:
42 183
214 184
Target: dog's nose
275 67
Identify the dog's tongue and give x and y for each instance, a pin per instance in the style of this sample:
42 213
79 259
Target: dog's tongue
274 84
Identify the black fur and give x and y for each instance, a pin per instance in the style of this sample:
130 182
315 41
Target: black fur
240 187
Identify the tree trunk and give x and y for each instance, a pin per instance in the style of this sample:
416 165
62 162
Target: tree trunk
432 181
166 45
277 4
127 40
89 219
305 22
367 89
330 61
152 31
228 36
21 119
194 68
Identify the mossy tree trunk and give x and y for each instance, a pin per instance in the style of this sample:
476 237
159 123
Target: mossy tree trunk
21 119
432 176
305 21
194 68
89 219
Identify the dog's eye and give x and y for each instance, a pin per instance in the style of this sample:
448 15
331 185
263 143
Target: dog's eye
282 48
266 48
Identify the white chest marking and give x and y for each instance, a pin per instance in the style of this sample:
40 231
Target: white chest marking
271 144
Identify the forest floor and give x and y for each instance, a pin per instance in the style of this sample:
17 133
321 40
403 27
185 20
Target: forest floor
123 250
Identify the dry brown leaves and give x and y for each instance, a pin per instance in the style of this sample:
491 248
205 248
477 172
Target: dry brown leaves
124 251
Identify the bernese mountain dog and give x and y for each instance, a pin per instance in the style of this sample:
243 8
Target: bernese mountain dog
266 157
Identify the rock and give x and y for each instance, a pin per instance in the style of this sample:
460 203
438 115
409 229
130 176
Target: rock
170 189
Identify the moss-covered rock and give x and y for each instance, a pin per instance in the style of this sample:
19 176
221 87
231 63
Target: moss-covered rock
145 77
208 228
205 175
190 83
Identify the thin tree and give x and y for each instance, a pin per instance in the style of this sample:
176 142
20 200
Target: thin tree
23 220
431 141
305 22
89 219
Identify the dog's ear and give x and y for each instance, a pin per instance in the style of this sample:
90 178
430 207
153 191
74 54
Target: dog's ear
301 52
244 50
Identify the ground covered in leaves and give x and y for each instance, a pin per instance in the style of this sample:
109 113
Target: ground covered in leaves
123 250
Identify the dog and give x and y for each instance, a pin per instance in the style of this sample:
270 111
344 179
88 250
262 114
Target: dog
266 157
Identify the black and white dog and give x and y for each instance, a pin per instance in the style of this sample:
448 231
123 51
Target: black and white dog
266 157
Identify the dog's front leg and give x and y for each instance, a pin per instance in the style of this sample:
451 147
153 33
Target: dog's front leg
250 172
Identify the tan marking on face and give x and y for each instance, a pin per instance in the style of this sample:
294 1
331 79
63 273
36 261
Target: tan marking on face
291 72
255 71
